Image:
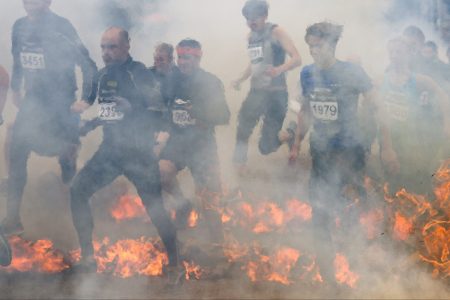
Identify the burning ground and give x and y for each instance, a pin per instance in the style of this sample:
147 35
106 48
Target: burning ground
399 247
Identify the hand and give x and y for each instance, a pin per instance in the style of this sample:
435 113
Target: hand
236 84
389 160
293 154
273 71
122 103
17 99
79 106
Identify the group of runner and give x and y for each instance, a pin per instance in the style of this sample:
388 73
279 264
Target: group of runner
157 121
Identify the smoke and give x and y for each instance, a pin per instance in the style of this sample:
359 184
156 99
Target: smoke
222 30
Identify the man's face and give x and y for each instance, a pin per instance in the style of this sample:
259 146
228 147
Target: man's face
35 7
428 53
415 43
320 50
188 63
398 53
161 61
114 49
256 23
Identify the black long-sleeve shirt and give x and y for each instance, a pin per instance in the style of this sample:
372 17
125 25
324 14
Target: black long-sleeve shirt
205 95
45 52
134 83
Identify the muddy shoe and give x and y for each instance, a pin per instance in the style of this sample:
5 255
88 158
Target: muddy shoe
175 276
5 250
291 129
86 265
11 226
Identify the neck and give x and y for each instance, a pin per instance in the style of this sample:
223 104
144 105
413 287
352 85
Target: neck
37 15
327 63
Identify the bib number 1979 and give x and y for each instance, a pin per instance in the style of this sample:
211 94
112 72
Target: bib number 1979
324 111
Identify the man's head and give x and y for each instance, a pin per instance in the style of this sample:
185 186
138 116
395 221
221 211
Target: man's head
115 46
415 38
255 12
399 51
189 53
36 7
322 39
430 50
163 57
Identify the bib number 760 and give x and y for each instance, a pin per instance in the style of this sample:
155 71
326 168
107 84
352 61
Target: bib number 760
324 111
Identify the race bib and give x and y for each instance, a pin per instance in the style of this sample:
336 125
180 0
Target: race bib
256 53
397 111
182 118
33 61
108 112
324 111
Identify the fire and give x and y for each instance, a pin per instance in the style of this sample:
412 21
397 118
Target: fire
125 258
193 218
343 273
129 207
371 222
276 267
403 227
192 270
297 209
39 256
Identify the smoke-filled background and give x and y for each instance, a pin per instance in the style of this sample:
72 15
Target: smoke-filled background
221 29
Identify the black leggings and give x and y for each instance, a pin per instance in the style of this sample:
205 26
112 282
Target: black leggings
143 171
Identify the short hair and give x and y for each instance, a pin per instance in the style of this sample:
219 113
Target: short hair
167 48
258 8
123 34
415 32
191 43
432 45
328 31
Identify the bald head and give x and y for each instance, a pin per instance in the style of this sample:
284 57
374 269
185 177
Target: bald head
115 45
35 8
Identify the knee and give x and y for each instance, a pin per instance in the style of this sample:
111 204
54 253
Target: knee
168 171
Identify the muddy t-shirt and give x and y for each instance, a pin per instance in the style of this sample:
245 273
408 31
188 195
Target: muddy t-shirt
331 95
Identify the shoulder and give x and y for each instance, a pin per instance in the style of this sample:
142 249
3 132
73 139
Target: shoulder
209 78
19 23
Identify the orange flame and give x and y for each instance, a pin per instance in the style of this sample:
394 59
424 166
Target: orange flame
193 218
129 207
403 227
36 256
343 273
192 270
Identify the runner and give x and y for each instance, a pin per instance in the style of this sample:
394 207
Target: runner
46 49
268 45
129 104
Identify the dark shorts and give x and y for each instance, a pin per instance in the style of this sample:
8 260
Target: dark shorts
200 156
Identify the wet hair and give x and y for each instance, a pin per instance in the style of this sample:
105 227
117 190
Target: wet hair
167 48
432 45
327 31
255 8
191 43
414 32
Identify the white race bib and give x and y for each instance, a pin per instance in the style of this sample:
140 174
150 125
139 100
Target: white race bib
255 53
108 112
32 60
324 111
182 118
397 111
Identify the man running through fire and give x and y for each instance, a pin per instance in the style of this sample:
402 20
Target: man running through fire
198 107
268 45
46 48
129 107
331 89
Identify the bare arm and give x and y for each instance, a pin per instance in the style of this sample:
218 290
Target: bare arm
286 42
429 84
303 125
388 155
